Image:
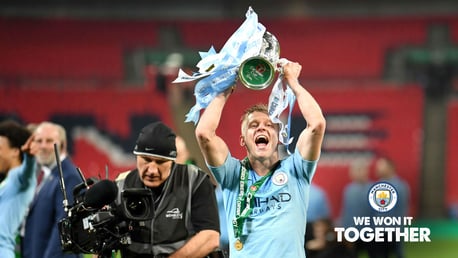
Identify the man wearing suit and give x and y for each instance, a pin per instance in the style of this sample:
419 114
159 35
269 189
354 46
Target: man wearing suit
41 233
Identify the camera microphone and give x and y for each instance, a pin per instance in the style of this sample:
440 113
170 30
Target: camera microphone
100 194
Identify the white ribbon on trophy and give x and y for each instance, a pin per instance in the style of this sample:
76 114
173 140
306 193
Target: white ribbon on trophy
281 98
219 71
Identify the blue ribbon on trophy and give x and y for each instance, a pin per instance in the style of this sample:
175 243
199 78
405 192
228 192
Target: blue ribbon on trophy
251 54
218 71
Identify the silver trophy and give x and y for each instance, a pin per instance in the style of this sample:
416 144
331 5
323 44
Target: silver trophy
258 72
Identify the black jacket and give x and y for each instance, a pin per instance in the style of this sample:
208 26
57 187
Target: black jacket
173 223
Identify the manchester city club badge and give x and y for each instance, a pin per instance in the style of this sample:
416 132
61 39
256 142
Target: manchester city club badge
382 197
280 178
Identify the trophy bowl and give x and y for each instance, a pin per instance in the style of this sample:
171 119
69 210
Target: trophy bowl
258 72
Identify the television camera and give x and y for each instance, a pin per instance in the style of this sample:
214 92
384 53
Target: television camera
99 220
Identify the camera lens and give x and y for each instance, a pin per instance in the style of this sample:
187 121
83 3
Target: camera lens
136 204
136 207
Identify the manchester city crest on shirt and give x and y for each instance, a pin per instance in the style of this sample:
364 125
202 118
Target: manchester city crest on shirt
280 178
382 197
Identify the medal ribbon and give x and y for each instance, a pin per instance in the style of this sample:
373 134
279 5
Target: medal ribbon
245 198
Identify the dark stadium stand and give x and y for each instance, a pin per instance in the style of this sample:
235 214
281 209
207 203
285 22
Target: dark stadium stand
71 67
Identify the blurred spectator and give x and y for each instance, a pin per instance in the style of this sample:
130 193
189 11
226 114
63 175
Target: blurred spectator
319 208
183 154
355 202
41 234
324 242
16 191
453 211
385 171
31 127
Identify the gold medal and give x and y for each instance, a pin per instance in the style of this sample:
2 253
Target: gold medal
238 245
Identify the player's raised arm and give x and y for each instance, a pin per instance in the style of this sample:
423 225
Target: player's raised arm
311 138
213 148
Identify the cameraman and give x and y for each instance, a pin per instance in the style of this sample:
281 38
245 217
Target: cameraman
185 222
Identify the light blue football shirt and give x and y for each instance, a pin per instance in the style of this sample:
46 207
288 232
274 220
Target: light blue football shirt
276 226
16 193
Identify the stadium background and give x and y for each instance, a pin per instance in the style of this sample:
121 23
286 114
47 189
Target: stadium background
385 75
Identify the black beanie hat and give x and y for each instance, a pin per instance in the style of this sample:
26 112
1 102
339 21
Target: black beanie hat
156 140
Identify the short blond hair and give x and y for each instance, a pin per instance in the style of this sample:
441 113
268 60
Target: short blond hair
260 107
